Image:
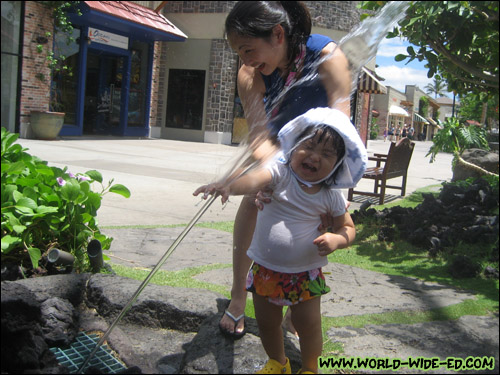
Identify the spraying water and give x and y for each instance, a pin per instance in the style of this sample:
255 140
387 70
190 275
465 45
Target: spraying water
359 46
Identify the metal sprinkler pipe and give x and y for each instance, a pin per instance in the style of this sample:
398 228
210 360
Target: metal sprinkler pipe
94 251
60 258
170 250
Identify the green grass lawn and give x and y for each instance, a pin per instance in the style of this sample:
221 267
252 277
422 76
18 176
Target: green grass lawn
395 258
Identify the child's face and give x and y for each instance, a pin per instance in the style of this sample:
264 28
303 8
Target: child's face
313 160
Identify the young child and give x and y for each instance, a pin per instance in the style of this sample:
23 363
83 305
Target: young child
321 153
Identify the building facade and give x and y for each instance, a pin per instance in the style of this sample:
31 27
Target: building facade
410 112
143 69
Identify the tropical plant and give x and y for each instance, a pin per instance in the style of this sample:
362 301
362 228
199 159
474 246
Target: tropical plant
455 138
423 106
374 129
437 87
458 39
472 108
45 207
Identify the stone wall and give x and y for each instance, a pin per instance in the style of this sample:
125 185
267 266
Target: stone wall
157 85
335 15
221 89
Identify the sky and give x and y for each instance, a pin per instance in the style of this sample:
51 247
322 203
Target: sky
398 74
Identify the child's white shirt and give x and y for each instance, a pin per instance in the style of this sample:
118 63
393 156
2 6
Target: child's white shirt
286 228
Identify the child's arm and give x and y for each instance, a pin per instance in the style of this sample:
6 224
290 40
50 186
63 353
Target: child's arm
342 236
249 183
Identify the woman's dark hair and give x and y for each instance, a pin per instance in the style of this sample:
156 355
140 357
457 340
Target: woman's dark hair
257 19
323 134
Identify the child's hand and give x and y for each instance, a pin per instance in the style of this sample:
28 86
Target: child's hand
327 243
263 197
212 189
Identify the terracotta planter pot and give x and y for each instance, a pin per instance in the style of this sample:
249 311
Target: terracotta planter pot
46 125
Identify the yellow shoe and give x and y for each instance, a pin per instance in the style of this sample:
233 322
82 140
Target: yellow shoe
274 367
305 372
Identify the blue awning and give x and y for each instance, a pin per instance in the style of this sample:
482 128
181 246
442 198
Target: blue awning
129 19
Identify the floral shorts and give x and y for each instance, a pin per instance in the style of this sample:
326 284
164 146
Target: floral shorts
285 289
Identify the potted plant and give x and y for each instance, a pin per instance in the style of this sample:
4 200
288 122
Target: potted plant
46 124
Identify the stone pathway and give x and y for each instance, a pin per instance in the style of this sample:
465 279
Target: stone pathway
354 292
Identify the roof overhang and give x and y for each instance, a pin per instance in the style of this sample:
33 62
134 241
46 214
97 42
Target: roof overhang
434 123
127 18
418 118
369 84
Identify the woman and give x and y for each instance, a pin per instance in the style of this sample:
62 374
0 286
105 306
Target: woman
273 40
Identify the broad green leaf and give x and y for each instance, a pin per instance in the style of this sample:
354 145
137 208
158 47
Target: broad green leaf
17 195
120 189
71 190
35 256
86 217
400 57
26 202
46 209
15 168
94 200
9 242
19 229
94 175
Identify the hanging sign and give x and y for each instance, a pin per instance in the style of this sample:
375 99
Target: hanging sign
110 39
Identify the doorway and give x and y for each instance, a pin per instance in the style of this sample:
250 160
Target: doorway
103 93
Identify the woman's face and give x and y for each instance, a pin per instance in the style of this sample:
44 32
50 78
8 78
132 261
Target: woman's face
313 160
261 54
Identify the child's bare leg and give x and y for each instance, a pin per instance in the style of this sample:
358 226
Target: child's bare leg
244 227
288 324
269 317
306 317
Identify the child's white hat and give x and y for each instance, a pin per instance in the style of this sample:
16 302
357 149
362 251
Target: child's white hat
354 163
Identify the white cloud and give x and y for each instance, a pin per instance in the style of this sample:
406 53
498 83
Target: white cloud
399 77
391 48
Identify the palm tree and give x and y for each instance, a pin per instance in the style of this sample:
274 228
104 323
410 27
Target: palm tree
437 87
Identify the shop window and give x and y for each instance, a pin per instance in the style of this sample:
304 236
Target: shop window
138 84
11 57
65 81
185 98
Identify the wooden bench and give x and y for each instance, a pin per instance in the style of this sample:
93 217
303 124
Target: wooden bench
396 163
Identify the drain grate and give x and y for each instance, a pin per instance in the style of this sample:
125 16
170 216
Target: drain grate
74 356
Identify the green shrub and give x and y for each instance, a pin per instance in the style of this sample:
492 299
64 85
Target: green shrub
45 207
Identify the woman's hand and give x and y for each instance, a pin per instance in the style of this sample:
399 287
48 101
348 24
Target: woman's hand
211 189
326 224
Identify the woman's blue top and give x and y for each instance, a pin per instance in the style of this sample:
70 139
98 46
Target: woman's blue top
305 95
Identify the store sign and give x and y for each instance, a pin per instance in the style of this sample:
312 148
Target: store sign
110 39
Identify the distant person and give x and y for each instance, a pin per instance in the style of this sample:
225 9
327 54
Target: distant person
411 132
405 131
398 133
391 133
386 132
